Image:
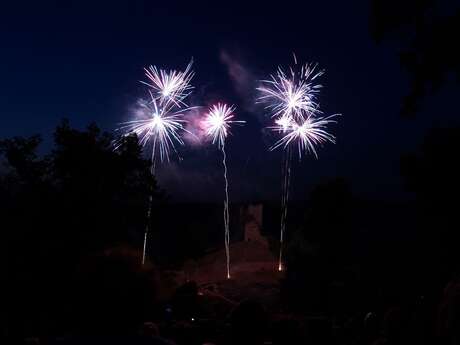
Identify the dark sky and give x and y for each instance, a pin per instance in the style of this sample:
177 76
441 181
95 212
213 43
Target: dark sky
83 61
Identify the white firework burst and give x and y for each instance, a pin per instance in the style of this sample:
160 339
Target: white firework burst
170 86
292 94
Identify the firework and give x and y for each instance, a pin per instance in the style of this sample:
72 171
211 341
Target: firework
283 124
156 127
170 86
305 134
217 125
291 99
159 121
291 94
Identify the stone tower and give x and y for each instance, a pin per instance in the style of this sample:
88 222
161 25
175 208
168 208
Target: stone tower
252 222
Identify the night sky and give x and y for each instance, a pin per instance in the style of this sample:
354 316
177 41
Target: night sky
83 61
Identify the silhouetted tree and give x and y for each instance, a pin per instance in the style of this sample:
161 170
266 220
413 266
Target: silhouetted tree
317 251
113 295
80 198
22 160
249 323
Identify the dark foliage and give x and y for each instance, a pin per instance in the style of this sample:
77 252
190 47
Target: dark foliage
81 198
317 251
433 174
249 323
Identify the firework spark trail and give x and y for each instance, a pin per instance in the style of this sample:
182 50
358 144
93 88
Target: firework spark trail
217 125
149 213
286 176
226 212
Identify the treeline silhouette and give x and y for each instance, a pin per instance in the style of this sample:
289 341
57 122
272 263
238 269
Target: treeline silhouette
360 270
397 261
74 220
77 200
